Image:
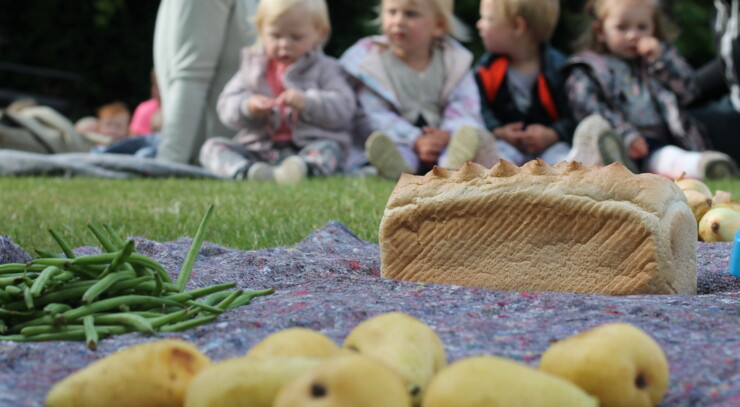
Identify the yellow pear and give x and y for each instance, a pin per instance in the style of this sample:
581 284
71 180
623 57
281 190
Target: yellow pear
295 342
346 381
719 225
245 381
721 197
734 205
618 363
693 184
495 381
406 344
698 202
156 373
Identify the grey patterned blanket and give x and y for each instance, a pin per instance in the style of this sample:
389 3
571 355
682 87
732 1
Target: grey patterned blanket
330 282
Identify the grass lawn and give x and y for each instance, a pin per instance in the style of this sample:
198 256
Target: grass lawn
247 216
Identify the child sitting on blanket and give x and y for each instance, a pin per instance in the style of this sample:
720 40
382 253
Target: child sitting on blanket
522 89
417 89
290 103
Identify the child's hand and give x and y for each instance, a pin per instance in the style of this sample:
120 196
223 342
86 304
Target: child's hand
536 138
260 105
430 145
293 98
649 48
638 149
511 133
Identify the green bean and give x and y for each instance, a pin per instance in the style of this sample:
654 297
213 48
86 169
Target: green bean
200 292
66 248
91 334
11 268
64 276
111 303
190 323
214 298
169 318
187 266
120 259
51 261
65 335
27 297
104 241
115 238
3 327
12 280
7 313
204 307
246 298
140 259
94 259
4 297
134 321
102 285
47 253
13 290
56 308
224 305
43 278
44 320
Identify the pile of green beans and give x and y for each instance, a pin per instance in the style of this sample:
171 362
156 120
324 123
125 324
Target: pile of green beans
55 297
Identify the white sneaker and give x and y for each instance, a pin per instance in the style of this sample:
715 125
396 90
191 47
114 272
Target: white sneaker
260 171
716 165
596 143
463 147
384 155
291 170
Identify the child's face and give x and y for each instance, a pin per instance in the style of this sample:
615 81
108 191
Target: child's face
625 23
494 28
410 25
291 36
115 125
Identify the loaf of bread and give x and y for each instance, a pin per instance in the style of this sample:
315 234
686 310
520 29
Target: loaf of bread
568 228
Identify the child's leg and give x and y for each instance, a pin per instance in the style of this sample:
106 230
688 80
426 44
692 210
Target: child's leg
555 153
323 158
510 153
225 157
463 147
672 161
596 143
390 159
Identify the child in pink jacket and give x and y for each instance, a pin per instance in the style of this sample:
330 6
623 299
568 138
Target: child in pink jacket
290 103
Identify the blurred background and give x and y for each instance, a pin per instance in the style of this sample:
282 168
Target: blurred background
76 55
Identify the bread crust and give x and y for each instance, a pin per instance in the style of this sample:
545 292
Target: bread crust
568 227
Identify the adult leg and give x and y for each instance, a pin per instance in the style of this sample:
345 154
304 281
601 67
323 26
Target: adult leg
189 40
722 122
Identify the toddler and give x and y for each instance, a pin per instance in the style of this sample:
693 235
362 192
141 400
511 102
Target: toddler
416 87
291 103
113 120
630 80
521 86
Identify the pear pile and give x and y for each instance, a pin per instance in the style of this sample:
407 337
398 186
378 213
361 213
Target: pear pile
390 360
717 215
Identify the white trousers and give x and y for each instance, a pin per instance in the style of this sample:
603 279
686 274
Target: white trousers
197 47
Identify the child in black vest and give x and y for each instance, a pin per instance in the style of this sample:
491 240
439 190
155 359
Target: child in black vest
522 91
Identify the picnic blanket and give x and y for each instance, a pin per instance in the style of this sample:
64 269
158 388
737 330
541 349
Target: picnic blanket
330 282
22 163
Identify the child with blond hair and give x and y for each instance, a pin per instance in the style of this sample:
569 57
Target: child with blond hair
416 87
629 80
521 86
290 103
